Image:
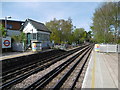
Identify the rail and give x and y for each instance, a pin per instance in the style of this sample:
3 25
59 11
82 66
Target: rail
43 81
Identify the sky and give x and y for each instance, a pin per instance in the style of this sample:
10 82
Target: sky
81 13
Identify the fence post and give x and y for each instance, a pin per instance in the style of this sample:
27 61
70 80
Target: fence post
107 48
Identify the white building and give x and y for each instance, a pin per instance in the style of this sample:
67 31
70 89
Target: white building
36 32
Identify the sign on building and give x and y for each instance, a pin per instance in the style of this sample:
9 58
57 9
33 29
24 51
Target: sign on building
6 42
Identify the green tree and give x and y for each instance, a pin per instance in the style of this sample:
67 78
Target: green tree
89 36
104 17
2 29
20 38
79 35
61 30
53 26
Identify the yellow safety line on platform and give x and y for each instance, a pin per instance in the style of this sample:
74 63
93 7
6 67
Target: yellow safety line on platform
93 71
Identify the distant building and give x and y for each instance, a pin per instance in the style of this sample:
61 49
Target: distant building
13 27
36 32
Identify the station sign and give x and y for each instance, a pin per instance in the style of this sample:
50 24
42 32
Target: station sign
6 42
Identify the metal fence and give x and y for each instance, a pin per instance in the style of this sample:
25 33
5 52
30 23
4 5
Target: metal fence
119 48
109 48
18 46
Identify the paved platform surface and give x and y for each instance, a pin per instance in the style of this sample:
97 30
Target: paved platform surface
14 54
102 71
8 55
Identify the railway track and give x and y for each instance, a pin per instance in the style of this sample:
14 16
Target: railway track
18 71
57 77
21 74
53 53
72 76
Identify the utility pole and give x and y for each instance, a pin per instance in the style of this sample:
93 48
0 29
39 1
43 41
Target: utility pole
6 23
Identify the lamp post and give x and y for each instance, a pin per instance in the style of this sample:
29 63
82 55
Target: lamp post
7 17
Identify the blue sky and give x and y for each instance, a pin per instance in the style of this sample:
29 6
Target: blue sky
80 12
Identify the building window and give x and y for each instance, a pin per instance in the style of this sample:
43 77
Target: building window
34 35
42 37
9 26
38 36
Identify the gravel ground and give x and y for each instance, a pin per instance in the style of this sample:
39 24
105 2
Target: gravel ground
58 77
73 76
36 76
81 78
68 82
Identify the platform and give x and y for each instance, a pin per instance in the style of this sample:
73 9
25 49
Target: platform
9 55
14 54
102 71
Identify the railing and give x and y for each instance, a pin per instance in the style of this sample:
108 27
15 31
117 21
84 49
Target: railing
109 48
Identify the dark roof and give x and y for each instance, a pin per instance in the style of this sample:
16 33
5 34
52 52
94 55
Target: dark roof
12 20
39 26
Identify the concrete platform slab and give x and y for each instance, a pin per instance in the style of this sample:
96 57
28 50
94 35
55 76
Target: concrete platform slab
102 71
13 54
18 54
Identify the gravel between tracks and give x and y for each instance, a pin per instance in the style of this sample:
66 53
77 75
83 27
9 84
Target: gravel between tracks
81 78
73 76
36 76
58 77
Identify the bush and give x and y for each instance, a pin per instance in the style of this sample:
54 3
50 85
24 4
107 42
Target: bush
2 29
20 38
